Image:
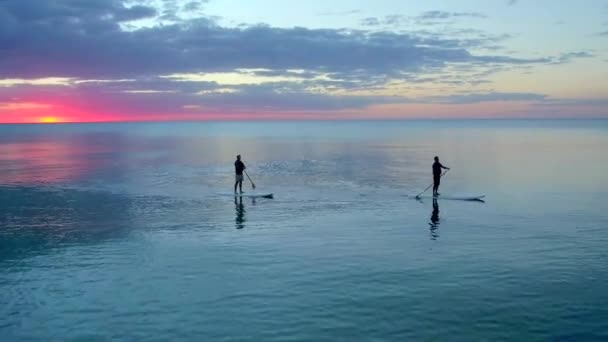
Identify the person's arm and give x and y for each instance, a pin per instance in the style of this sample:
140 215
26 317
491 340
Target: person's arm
444 167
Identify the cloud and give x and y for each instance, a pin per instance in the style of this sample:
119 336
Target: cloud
488 97
511 2
194 5
6 106
569 56
164 96
603 103
12 82
79 52
30 11
160 97
426 18
149 91
340 13
98 47
134 13
442 15
370 21
395 19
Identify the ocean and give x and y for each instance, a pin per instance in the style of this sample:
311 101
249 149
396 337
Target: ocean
127 231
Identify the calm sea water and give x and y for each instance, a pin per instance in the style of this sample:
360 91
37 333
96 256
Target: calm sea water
120 232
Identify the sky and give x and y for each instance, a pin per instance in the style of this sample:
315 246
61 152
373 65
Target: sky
136 60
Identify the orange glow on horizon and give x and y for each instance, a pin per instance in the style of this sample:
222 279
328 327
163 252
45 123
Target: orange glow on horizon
48 112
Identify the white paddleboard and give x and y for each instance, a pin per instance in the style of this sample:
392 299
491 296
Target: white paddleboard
251 195
448 197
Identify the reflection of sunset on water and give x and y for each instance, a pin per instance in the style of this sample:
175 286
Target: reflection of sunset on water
45 162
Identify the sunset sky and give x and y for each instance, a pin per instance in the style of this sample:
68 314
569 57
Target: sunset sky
130 60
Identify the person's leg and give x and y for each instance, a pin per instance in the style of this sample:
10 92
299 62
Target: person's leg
241 186
437 182
435 185
235 184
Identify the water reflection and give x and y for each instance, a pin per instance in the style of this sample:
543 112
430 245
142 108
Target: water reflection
240 213
35 220
51 159
434 223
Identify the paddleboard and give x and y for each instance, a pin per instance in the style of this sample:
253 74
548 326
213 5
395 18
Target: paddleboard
454 198
251 195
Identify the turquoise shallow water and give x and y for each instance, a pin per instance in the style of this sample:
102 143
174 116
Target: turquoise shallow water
117 232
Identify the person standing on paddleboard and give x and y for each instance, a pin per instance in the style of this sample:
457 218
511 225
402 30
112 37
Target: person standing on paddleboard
437 175
239 167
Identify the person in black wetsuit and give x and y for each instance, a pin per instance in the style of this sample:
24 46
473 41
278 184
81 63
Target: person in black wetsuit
239 167
437 175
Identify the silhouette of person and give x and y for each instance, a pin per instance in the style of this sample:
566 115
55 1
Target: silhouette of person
437 175
239 167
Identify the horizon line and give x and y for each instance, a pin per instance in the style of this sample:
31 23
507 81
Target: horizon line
312 120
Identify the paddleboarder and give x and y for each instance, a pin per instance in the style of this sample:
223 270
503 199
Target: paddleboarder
239 167
436 175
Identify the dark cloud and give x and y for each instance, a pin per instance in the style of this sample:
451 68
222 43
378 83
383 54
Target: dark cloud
80 40
135 13
31 11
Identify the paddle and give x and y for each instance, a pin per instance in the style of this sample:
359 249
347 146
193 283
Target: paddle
428 187
252 184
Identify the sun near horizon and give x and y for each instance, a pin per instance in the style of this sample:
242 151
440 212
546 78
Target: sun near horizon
50 119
